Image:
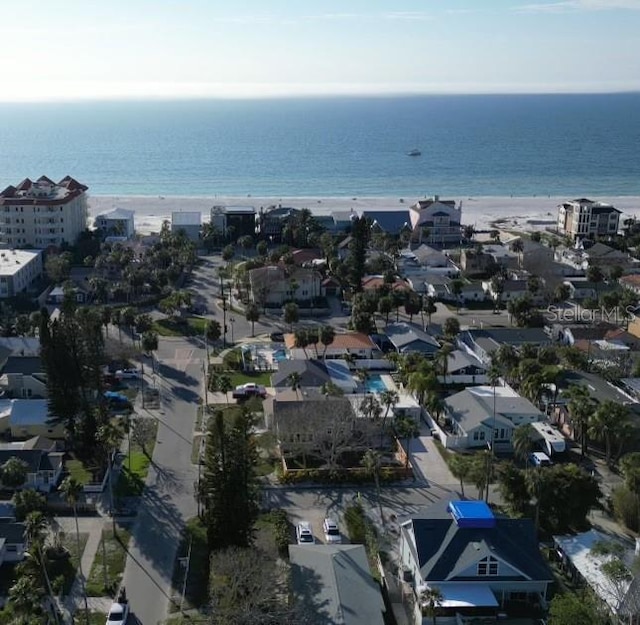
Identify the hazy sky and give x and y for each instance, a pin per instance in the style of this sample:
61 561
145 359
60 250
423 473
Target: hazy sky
65 49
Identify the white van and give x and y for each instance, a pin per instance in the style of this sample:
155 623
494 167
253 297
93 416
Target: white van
540 459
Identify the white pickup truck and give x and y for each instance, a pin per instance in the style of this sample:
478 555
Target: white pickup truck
244 391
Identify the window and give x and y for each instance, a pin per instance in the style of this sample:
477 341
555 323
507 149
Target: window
488 566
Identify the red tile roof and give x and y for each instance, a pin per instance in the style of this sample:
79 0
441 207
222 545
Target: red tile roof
377 282
9 198
346 341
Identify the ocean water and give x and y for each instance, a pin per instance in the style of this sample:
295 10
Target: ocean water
471 145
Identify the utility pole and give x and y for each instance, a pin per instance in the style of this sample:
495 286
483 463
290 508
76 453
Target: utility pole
142 382
224 315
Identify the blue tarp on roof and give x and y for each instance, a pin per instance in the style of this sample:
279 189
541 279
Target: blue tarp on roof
472 514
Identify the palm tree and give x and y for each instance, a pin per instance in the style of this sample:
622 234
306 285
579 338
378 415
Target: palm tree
110 437
224 385
581 406
610 424
522 441
419 384
431 599
294 379
406 428
461 467
25 598
72 489
494 377
518 247
363 377
252 314
434 406
326 335
442 360
372 463
388 399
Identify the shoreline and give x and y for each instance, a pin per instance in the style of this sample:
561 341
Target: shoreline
525 213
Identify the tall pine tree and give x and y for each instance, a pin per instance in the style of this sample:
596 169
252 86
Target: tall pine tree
229 489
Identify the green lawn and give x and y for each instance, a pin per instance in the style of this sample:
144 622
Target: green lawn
131 480
95 618
78 471
260 377
116 556
196 594
188 326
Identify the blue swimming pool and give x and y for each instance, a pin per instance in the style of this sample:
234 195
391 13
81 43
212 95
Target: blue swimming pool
375 384
279 355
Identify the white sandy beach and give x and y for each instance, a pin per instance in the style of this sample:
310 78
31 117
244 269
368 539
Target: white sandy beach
518 213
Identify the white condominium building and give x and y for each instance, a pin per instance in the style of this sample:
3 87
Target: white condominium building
43 213
18 270
586 219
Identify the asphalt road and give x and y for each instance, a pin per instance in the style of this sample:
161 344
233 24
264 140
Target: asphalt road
168 500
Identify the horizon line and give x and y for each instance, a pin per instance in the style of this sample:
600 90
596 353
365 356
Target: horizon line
196 94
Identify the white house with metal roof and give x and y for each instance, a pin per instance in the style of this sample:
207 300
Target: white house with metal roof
116 224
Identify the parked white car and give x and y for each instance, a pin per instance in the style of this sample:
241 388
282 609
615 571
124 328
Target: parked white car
304 535
331 532
118 613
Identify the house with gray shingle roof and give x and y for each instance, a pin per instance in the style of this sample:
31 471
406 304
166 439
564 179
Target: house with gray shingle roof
335 583
478 560
464 368
406 339
471 417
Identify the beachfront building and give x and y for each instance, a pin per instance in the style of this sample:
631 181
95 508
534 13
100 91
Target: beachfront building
272 220
436 222
189 222
19 269
586 219
234 222
273 286
43 213
116 225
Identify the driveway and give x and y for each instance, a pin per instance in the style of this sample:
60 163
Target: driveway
429 466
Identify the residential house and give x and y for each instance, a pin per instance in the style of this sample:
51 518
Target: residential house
631 282
342 221
427 256
330 287
44 468
391 222
19 270
409 339
474 262
471 418
535 257
116 224
571 334
436 221
600 390
304 257
483 563
309 422
345 344
23 376
604 256
189 222
502 256
271 221
18 346
375 283
583 562
24 418
334 583
471 291
464 368
511 290
57 294
583 219
234 222
312 374
13 541
580 289
274 285
483 342
43 214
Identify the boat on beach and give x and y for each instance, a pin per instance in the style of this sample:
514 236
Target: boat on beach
414 152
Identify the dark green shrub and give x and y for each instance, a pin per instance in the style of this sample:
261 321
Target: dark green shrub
356 524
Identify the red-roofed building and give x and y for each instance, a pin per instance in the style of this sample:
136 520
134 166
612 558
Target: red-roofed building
350 343
43 214
372 283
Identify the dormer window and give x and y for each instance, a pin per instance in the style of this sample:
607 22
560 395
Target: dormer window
488 566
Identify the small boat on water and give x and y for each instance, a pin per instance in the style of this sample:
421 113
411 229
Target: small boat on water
414 152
